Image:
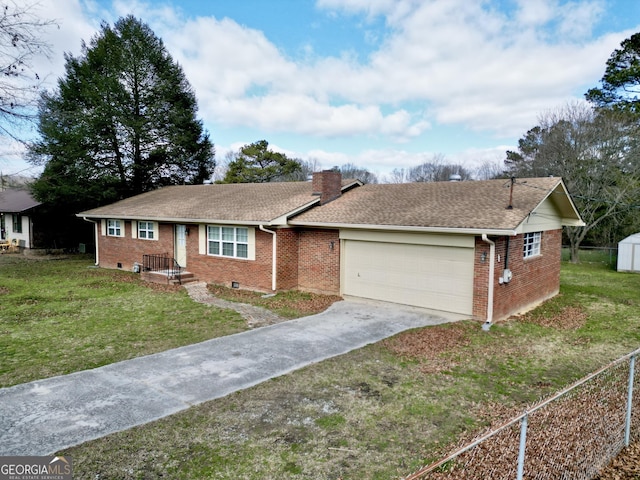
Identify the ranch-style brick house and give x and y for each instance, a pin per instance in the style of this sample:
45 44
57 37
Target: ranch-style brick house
484 249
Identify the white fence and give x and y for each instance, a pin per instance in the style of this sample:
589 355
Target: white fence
572 435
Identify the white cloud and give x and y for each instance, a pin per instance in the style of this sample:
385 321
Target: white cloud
535 13
278 112
383 161
71 26
450 62
224 59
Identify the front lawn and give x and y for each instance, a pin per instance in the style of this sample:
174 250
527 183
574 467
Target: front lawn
383 411
59 316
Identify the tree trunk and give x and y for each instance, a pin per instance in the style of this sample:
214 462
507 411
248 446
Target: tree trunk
574 252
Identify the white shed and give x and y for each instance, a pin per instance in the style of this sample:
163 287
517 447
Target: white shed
629 254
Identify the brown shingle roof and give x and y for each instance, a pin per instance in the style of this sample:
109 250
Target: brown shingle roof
465 205
240 202
458 205
16 201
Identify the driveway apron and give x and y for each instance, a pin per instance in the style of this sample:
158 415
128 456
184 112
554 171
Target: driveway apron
45 416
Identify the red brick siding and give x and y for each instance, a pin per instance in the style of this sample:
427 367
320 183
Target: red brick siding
305 258
127 251
319 263
287 259
534 279
328 184
480 279
250 274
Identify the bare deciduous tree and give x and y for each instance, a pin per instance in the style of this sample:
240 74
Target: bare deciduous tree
437 170
21 42
489 170
597 155
398 175
350 170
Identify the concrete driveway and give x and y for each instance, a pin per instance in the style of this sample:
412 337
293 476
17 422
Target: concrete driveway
42 417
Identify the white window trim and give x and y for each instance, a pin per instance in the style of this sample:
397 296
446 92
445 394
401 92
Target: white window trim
16 221
121 228
135 230
251 242
531 244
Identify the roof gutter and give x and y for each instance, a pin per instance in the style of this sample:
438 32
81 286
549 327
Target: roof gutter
153 218
492 255
410 228
97 238
274 261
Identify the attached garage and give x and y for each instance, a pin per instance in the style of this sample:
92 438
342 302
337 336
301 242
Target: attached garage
422 270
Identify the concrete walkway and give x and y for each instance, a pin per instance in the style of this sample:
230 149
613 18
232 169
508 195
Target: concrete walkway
42 417
255 316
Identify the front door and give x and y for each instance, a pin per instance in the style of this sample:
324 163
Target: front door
181 245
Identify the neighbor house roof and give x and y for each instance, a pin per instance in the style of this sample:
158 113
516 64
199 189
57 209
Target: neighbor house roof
474 206
16 201
243 203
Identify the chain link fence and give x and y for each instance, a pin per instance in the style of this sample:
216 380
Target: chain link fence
572 435
605 255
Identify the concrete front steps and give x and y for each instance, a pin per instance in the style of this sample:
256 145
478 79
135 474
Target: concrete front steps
169 278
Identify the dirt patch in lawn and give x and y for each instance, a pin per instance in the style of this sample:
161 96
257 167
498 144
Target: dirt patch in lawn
568 318
431 346
290 304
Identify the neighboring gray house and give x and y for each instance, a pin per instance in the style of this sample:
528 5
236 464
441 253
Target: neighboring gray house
16 220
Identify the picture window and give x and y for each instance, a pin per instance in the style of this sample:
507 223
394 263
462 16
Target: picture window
228 241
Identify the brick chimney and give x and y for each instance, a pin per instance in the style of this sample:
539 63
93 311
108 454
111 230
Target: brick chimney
327 184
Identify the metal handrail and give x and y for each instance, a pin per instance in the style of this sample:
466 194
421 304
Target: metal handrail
162 262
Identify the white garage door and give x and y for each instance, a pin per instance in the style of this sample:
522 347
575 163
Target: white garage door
429 276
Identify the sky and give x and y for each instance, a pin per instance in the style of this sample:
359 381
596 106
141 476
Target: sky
382 84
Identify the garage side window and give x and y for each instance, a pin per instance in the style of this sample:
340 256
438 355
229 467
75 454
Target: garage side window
228 241
114 228
531 245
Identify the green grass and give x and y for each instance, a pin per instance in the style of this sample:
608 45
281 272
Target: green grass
61 316
373 413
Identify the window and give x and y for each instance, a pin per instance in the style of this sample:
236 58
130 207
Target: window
145 230
531 246
114 228
17 223
228 241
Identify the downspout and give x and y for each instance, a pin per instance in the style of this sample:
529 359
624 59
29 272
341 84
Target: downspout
95 224
274 261
492 254
506 255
